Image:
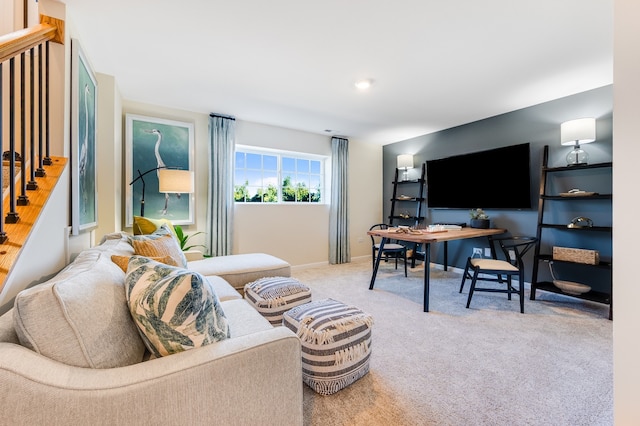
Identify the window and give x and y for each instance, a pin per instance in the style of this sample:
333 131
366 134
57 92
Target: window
269 176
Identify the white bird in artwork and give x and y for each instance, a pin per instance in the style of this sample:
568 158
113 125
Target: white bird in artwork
161 165
82 157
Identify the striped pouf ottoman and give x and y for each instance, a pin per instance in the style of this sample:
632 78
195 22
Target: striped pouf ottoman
336 343
272 296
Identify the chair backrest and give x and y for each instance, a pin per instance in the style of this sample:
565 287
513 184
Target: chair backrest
514 248
377 226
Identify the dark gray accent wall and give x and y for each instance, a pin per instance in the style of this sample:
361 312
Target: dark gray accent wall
539 125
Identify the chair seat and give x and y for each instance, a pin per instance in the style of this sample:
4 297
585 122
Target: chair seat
493 265
391 246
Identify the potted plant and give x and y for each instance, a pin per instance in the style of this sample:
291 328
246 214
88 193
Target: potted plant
184 238
479 219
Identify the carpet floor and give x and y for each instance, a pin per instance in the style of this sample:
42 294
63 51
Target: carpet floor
487 365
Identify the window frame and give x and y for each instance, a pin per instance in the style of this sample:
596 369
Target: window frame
280 174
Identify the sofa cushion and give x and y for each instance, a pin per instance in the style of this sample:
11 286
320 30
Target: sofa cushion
80 316
240 269
243 319
175 309
160 243
123 261
223 289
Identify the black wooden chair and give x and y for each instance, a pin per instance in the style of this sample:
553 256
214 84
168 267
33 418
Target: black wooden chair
500 270
391 249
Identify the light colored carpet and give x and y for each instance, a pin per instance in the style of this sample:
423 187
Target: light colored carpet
487 365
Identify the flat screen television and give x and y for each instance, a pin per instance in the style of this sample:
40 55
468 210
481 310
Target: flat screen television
494 179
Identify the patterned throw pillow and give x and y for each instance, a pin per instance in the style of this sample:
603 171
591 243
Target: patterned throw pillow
175 309
159 244
123 261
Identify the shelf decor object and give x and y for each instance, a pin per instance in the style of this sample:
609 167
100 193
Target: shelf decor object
576 132
479 219
405 162
589 257
569 287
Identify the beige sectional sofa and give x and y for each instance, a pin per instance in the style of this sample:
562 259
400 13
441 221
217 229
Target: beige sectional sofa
71 354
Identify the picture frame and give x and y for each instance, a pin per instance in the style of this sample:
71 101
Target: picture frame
84 113
150 143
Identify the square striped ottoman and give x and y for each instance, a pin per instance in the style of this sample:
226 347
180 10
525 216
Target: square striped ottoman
272 296
336 343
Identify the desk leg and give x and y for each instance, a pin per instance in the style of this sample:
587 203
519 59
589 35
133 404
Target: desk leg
377 263
427 272
446 254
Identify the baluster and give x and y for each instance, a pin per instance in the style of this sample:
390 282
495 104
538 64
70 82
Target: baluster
47 160
40 171
3 234
22 200
32 184
12 215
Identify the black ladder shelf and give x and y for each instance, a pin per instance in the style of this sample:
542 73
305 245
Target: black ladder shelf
406 204
542 256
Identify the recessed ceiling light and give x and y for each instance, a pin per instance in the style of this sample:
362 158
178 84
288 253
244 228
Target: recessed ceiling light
364 84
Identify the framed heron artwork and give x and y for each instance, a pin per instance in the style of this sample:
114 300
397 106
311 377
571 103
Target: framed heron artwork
84 104
156 147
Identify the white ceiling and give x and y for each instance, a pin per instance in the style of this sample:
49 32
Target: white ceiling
292 63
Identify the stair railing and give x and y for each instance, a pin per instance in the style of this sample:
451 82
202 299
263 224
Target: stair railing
23 127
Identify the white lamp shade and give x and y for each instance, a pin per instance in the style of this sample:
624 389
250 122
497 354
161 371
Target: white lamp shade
405 161
580 131
175 181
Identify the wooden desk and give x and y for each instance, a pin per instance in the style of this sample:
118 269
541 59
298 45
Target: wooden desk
427 238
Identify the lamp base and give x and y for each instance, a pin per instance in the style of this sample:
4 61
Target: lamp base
577 157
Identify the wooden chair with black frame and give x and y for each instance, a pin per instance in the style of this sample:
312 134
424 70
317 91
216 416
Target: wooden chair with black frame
500 270
390 250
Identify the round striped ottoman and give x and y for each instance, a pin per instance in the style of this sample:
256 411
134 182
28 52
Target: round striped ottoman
272 296
336 343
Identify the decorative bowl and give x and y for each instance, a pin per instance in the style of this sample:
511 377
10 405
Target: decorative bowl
570 287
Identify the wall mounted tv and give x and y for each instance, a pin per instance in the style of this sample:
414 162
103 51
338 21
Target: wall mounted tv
494 179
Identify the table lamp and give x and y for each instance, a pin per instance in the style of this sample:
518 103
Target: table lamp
405 162
576 132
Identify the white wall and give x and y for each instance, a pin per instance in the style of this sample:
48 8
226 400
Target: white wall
109 150
626 233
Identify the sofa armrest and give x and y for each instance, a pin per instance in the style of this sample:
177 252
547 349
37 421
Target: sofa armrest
192 255
252 379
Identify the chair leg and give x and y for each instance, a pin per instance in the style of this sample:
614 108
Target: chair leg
464 275
405 263
473 287
509 287
521 286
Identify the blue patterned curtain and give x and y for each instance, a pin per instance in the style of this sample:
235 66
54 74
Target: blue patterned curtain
220 192
339 248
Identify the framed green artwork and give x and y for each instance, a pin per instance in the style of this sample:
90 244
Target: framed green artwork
84 104
154 144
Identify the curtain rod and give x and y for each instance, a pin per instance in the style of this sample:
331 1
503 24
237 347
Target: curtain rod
222 116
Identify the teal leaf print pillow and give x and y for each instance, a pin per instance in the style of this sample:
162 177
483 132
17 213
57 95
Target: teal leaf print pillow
175 309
